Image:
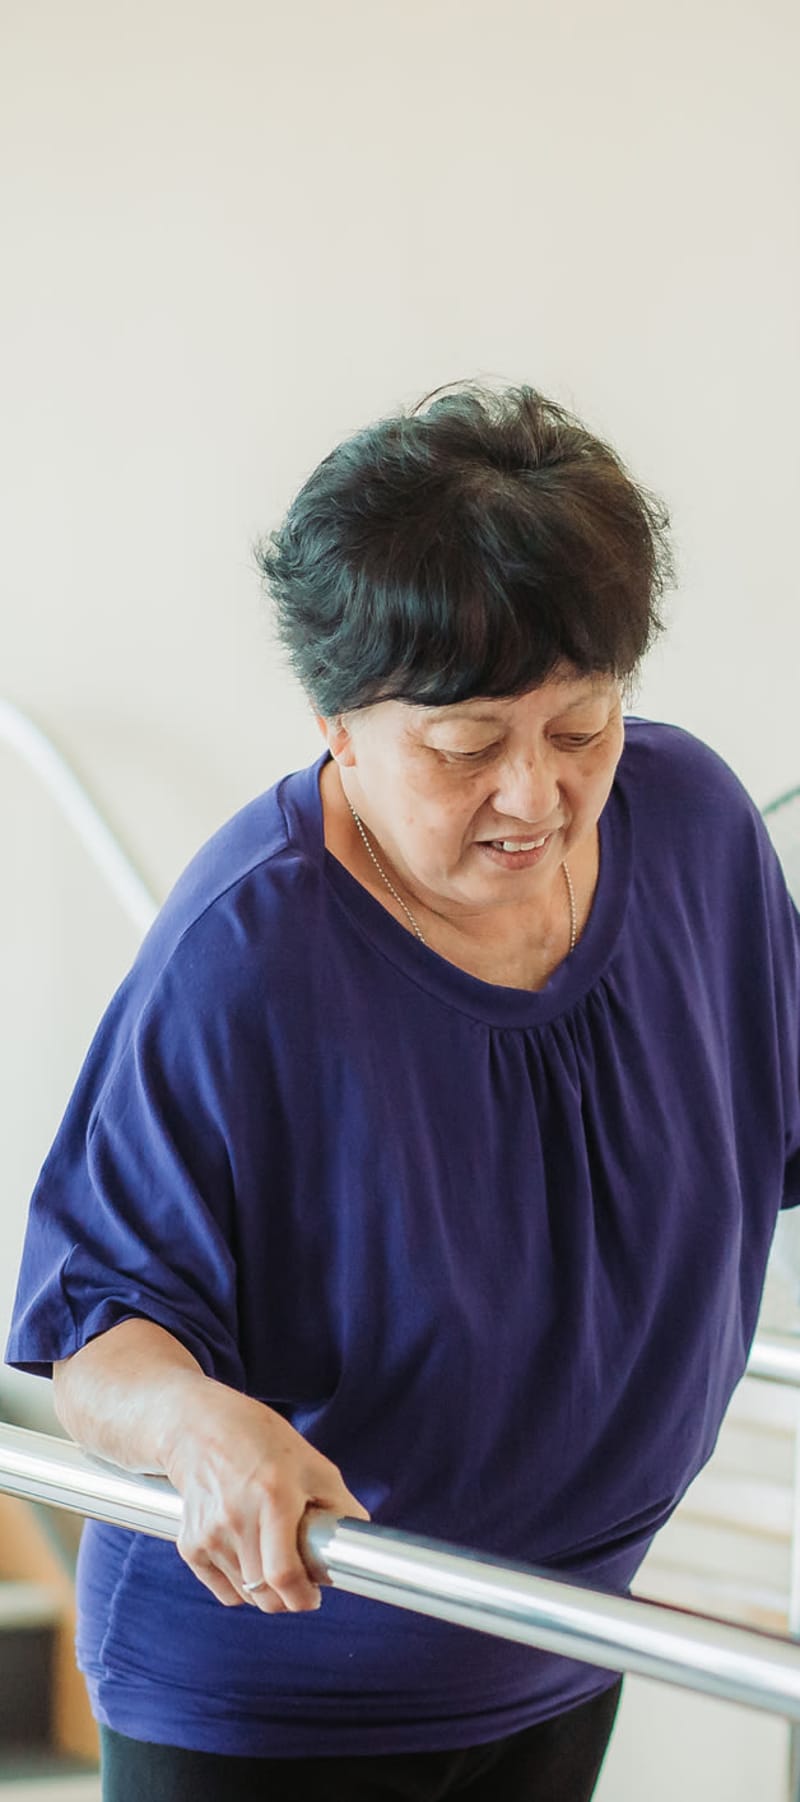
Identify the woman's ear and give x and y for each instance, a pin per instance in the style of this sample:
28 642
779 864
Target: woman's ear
338 738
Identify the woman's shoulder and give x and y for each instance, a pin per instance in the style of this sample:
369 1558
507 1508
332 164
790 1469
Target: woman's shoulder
238 923
218 971
252 872
672 777
699 834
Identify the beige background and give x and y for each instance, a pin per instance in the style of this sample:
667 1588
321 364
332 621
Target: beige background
233 233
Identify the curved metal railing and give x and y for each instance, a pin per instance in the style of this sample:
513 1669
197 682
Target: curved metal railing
36 750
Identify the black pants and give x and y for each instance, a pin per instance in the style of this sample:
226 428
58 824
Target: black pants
556 1761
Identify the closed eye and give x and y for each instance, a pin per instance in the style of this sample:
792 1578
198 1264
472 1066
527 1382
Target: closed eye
574 741
468 756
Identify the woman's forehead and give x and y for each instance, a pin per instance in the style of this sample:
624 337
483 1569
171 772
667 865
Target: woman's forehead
560 694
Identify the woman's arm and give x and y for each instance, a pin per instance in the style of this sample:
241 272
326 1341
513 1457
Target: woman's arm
136 1396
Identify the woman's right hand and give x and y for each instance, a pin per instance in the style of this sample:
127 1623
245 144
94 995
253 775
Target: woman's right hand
136 1396
247 1478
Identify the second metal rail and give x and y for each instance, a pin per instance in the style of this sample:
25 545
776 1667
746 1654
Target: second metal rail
776 1360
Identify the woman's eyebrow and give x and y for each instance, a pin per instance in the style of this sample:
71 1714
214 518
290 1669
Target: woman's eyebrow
437 714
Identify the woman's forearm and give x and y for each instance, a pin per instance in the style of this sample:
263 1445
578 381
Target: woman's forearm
128 1395
136 1396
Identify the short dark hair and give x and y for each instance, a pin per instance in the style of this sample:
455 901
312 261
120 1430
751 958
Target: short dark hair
468 549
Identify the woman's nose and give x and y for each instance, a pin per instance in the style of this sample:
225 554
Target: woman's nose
527 791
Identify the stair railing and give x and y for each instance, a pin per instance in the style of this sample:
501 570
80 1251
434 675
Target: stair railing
23 736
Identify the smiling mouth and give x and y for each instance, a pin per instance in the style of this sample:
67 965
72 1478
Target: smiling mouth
517 844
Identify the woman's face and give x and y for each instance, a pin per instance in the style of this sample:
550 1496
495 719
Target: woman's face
477 805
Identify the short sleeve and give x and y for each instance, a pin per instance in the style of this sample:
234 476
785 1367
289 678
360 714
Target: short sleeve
133 1212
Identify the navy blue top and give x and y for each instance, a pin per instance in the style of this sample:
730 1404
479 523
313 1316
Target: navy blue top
497 1253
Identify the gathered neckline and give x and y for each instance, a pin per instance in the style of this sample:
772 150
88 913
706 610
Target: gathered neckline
490 1002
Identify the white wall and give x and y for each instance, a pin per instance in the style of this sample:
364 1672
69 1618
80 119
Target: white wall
236 231
233 233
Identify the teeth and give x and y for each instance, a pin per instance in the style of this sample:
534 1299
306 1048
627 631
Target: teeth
516 844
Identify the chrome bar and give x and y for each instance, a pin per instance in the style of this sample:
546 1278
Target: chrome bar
776 1360
41 1468
511 1601
517 1602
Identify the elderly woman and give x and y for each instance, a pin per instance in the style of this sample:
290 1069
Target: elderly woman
426 1163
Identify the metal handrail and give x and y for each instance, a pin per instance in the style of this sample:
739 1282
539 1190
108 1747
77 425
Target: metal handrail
775 1360
510 1601
75 804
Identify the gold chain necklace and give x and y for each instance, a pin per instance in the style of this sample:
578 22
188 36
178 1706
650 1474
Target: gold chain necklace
573 912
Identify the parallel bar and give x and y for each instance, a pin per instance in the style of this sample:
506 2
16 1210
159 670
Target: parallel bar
511 1601
41 1468
514 1601
776 1360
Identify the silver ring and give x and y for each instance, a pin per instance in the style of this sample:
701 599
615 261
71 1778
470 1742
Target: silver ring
250 1588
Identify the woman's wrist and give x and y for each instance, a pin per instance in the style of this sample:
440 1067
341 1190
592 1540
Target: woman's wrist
183 1409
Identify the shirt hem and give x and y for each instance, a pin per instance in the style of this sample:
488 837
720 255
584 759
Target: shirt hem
118 1709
